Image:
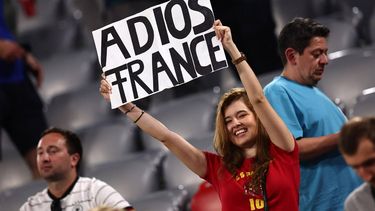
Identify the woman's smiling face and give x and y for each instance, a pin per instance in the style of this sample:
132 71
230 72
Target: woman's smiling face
241 124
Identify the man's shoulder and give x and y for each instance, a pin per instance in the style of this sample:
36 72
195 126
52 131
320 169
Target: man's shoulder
360 197
276 87
90 183
275 82
278 83
37 199
39 195
364 189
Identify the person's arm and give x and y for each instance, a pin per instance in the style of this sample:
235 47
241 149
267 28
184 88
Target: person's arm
310 148
35 68
275 127
10 50
192 157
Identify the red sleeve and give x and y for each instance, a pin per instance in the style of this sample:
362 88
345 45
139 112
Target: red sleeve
284 156
213 164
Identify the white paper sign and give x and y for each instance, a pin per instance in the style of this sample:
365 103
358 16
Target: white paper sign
162 47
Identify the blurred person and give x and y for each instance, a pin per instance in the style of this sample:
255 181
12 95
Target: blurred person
311 116
21 109
357 145
253 28
257 158
59 154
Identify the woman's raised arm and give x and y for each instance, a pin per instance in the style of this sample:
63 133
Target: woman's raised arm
192 157
276 129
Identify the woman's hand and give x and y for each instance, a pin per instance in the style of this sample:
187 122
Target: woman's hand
224 34
105 88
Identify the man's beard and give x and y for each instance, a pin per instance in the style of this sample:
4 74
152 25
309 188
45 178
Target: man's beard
53 177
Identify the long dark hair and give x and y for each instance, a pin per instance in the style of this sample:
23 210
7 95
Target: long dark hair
232 155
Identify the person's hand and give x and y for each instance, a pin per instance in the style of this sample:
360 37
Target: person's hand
105 88
223 33
10 50
105 91
35 68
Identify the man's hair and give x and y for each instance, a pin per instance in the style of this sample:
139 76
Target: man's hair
355 131
73 143
297 35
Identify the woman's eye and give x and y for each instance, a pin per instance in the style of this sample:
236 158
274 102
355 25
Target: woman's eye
241 115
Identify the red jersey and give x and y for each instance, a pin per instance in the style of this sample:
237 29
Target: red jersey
282 182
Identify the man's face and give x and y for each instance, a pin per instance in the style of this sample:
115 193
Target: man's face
54 161
363 161
311 62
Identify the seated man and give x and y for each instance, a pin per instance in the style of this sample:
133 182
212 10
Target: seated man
59 154
357 144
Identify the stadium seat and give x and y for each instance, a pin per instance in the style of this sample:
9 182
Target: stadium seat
165 200
343 34
348 73
372 28
134 176
190 115
67 71
108 142
366 25
176 174
53 28
365 105
266 78
283 12
14 198
339 20
78 109
6 143
14 171
118 10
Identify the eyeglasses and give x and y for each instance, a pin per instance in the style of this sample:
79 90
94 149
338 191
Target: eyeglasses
56 205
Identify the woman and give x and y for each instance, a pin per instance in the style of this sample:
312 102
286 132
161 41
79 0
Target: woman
257 165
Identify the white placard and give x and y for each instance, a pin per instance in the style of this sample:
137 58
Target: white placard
162 47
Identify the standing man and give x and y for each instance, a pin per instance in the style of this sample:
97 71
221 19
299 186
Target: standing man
357 145
59 153
311 116
21 109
